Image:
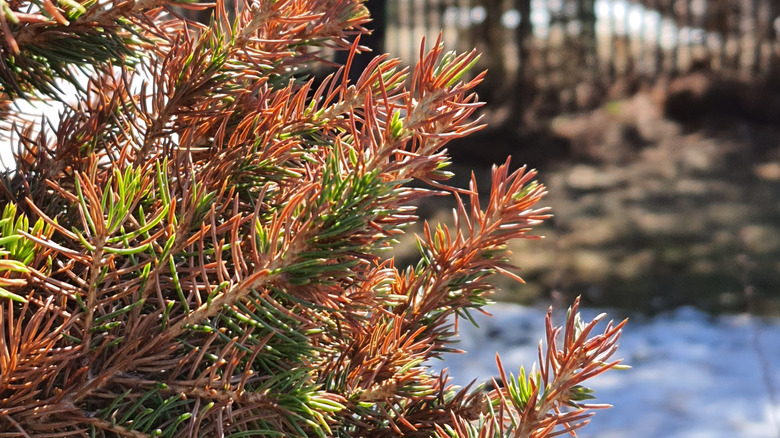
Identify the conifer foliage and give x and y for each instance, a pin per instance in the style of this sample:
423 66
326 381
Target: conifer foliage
195 246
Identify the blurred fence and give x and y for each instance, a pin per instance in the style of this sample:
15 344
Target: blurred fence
565 53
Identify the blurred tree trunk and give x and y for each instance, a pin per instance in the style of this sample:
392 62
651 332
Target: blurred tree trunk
525 86
489 38
587 92
772 36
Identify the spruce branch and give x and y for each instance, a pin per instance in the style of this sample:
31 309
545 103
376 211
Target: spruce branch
204 248
46 41
551 401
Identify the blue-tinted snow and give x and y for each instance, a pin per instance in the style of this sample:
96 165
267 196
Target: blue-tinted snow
692 375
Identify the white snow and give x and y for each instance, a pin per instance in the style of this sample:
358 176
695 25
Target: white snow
692 375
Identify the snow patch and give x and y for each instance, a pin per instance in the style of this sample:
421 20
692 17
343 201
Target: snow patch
692 375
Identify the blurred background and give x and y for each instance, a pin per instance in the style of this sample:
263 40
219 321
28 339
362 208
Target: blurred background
654 123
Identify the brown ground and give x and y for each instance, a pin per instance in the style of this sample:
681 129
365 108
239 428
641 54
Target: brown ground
660 199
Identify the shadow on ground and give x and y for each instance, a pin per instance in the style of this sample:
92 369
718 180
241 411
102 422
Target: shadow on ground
655 205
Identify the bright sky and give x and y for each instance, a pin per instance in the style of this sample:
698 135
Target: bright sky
32 112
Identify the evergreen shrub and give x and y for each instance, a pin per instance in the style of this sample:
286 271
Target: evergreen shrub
194 247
